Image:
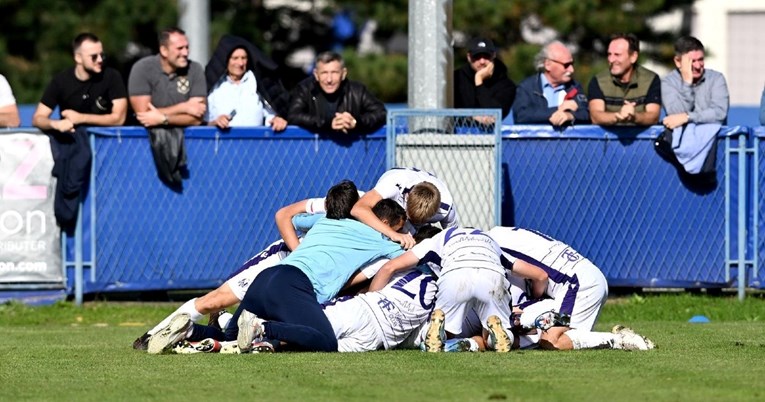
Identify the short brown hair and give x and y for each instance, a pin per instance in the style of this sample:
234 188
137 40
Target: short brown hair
423 202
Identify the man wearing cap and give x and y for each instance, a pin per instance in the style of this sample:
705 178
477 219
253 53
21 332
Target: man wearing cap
551 96
483 82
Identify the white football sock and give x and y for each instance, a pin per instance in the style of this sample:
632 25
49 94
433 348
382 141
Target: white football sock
591 340
187 308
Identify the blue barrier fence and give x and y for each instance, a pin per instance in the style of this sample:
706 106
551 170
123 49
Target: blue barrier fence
606 193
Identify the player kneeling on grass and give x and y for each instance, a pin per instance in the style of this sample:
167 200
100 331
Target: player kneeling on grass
576 286
470 275
234 289
282 303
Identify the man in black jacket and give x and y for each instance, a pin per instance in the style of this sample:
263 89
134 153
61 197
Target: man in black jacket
331 104
483 82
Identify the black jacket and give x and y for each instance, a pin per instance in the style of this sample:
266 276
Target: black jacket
308 107
498 92
270 87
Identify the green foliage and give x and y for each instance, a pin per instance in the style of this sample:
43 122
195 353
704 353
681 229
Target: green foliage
37 36
37 33
51 354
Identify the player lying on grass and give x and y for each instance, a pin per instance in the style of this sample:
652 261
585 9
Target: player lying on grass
576 286
288 294
535 317
470 276
425 198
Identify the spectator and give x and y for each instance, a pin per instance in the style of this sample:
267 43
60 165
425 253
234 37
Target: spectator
696 104
329 103
627 94
87 94
167 93
551 96
9 113
483 82
244 89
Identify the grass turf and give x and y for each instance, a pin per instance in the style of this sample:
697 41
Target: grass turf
61 352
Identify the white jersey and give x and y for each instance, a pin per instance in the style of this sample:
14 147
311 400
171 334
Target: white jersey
576 284
397 182
459 248
242 278
383 319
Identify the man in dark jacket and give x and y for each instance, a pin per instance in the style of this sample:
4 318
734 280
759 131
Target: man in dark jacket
551 96
483 82
329 103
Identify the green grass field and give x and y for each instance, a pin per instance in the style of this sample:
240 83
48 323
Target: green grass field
62 352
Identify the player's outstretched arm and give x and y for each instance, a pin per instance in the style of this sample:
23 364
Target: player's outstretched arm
538 277
362 211
400 263
283 219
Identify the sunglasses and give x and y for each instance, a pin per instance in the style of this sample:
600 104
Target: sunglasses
565 65
94 57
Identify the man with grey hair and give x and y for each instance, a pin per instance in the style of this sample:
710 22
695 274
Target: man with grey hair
328 103
551 96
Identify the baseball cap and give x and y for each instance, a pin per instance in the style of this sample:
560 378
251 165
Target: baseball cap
481 46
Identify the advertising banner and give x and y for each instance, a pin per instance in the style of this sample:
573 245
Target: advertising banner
30 246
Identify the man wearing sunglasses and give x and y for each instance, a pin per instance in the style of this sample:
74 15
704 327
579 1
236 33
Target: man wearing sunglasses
483 82
551 96
626 94
88 94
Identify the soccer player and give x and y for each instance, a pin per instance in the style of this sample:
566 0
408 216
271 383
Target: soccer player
470 275
425 198
577 287
288 294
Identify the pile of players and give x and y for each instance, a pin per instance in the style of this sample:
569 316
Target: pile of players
334 283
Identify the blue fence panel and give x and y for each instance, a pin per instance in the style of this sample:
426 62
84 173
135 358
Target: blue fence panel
758 206
151 237
610 196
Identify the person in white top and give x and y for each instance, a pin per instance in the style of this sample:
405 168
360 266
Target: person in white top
425 197
577 287
470 275
9 112
244 90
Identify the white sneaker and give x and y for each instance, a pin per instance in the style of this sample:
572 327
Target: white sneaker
630 340
250 328
169 335
498 337
229 348
434 338
207 345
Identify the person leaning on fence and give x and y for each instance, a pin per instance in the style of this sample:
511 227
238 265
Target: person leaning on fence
167 93
244 87
483 82
330 103
551 95
696 101
88 94
626 94
9 112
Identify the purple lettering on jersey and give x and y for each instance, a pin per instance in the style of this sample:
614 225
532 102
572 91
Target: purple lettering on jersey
554 275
